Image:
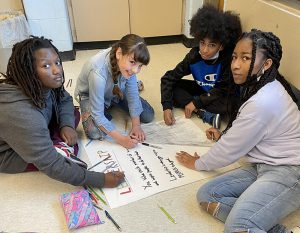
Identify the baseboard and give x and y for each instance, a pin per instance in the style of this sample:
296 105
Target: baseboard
71 55
68 55
189 42
149 41
163 40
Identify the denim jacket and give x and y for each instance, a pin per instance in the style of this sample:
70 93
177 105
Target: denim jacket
95 82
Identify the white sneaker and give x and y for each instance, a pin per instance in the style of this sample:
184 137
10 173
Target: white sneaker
140 85
68 152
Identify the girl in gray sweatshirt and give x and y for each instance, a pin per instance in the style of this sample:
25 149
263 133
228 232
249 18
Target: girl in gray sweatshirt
32 97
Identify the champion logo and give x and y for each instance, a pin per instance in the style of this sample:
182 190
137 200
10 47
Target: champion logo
210 77
202 84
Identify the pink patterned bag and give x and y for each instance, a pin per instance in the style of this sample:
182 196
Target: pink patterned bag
79 210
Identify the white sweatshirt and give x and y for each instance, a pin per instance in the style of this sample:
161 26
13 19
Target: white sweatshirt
266 130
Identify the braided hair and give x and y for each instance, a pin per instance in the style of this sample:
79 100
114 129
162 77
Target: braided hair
219 26
270 46
129 44
21 69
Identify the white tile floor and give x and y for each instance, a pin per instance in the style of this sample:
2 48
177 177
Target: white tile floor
29 201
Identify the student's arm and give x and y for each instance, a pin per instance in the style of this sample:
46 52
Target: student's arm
135 109
136 131
133 97
124 140
246 132
97 91
29 137
169 117
172 76
66 111
67 119
98 86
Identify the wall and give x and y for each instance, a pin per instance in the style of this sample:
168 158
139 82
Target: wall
6 5
189 9
49 18
282 20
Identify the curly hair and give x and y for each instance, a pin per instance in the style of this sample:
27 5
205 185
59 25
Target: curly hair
21 69
223 27
130 44
270 46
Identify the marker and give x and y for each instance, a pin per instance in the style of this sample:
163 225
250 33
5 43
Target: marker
99 162
146 144
98 207
113 221
167 214
96 194
88 142
212 136
150 145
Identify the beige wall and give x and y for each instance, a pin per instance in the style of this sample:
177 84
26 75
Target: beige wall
155 17
283 21
6 5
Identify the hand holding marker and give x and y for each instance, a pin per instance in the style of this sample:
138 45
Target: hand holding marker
147 144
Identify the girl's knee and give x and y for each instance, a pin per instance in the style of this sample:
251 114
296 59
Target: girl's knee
94 134
147 116
204 194
91 130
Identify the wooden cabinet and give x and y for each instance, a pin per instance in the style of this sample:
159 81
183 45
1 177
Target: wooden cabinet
155 17
100 20
104 20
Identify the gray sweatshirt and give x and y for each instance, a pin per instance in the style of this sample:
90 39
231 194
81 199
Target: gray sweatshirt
25 137
266 130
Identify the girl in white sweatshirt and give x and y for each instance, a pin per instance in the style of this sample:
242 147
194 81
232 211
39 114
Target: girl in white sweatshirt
266 128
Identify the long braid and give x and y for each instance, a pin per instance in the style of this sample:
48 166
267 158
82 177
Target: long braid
270 46
21 69
287 86
115 70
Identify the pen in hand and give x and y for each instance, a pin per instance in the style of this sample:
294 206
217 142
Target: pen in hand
212 136
146 144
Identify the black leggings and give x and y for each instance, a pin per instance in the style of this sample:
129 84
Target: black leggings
186 91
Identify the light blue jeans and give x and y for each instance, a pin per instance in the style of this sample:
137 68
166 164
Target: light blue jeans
91 129
253 198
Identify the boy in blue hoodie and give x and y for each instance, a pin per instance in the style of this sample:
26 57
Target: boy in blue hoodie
207 95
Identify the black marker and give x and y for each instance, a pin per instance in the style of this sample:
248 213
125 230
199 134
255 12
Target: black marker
99 162
147 144
113 221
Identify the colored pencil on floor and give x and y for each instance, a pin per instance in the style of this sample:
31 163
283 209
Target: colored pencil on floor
97 195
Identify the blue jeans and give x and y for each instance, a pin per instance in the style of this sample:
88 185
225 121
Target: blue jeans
253 198
147 114
91 129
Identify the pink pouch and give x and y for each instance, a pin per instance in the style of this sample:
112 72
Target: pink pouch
79 210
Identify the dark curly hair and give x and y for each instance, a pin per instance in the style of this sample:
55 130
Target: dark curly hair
223 27
270 46
21 69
